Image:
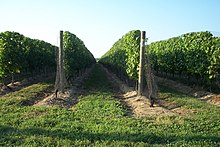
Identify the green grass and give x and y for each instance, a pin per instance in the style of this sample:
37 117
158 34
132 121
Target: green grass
25 95
98 119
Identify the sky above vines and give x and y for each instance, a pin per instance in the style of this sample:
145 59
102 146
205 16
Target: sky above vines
100 23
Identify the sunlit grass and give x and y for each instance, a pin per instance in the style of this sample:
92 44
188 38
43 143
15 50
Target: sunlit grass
98 119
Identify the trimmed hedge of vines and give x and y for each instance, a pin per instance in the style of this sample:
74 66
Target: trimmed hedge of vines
195 54
77 57
123 57
22 54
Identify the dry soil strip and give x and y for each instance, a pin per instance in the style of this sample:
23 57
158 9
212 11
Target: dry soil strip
195 92
70 96
140 105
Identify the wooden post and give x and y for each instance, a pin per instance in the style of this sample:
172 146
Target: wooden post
59 84
141 64
61 70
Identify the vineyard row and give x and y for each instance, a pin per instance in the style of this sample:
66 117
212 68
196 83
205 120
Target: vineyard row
19 54
194 54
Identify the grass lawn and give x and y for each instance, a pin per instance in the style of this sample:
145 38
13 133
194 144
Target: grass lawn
98 119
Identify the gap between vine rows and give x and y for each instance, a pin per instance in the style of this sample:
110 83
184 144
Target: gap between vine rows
138 106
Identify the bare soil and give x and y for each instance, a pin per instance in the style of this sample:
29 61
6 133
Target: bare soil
215 100
196 92
70 96
139 106
18 85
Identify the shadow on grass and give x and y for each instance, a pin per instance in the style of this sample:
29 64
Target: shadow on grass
73 135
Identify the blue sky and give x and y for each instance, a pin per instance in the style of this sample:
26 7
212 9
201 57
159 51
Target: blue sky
100 23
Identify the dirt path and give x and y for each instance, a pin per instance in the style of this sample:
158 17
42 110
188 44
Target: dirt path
18 85
140 105
196 92
70 97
